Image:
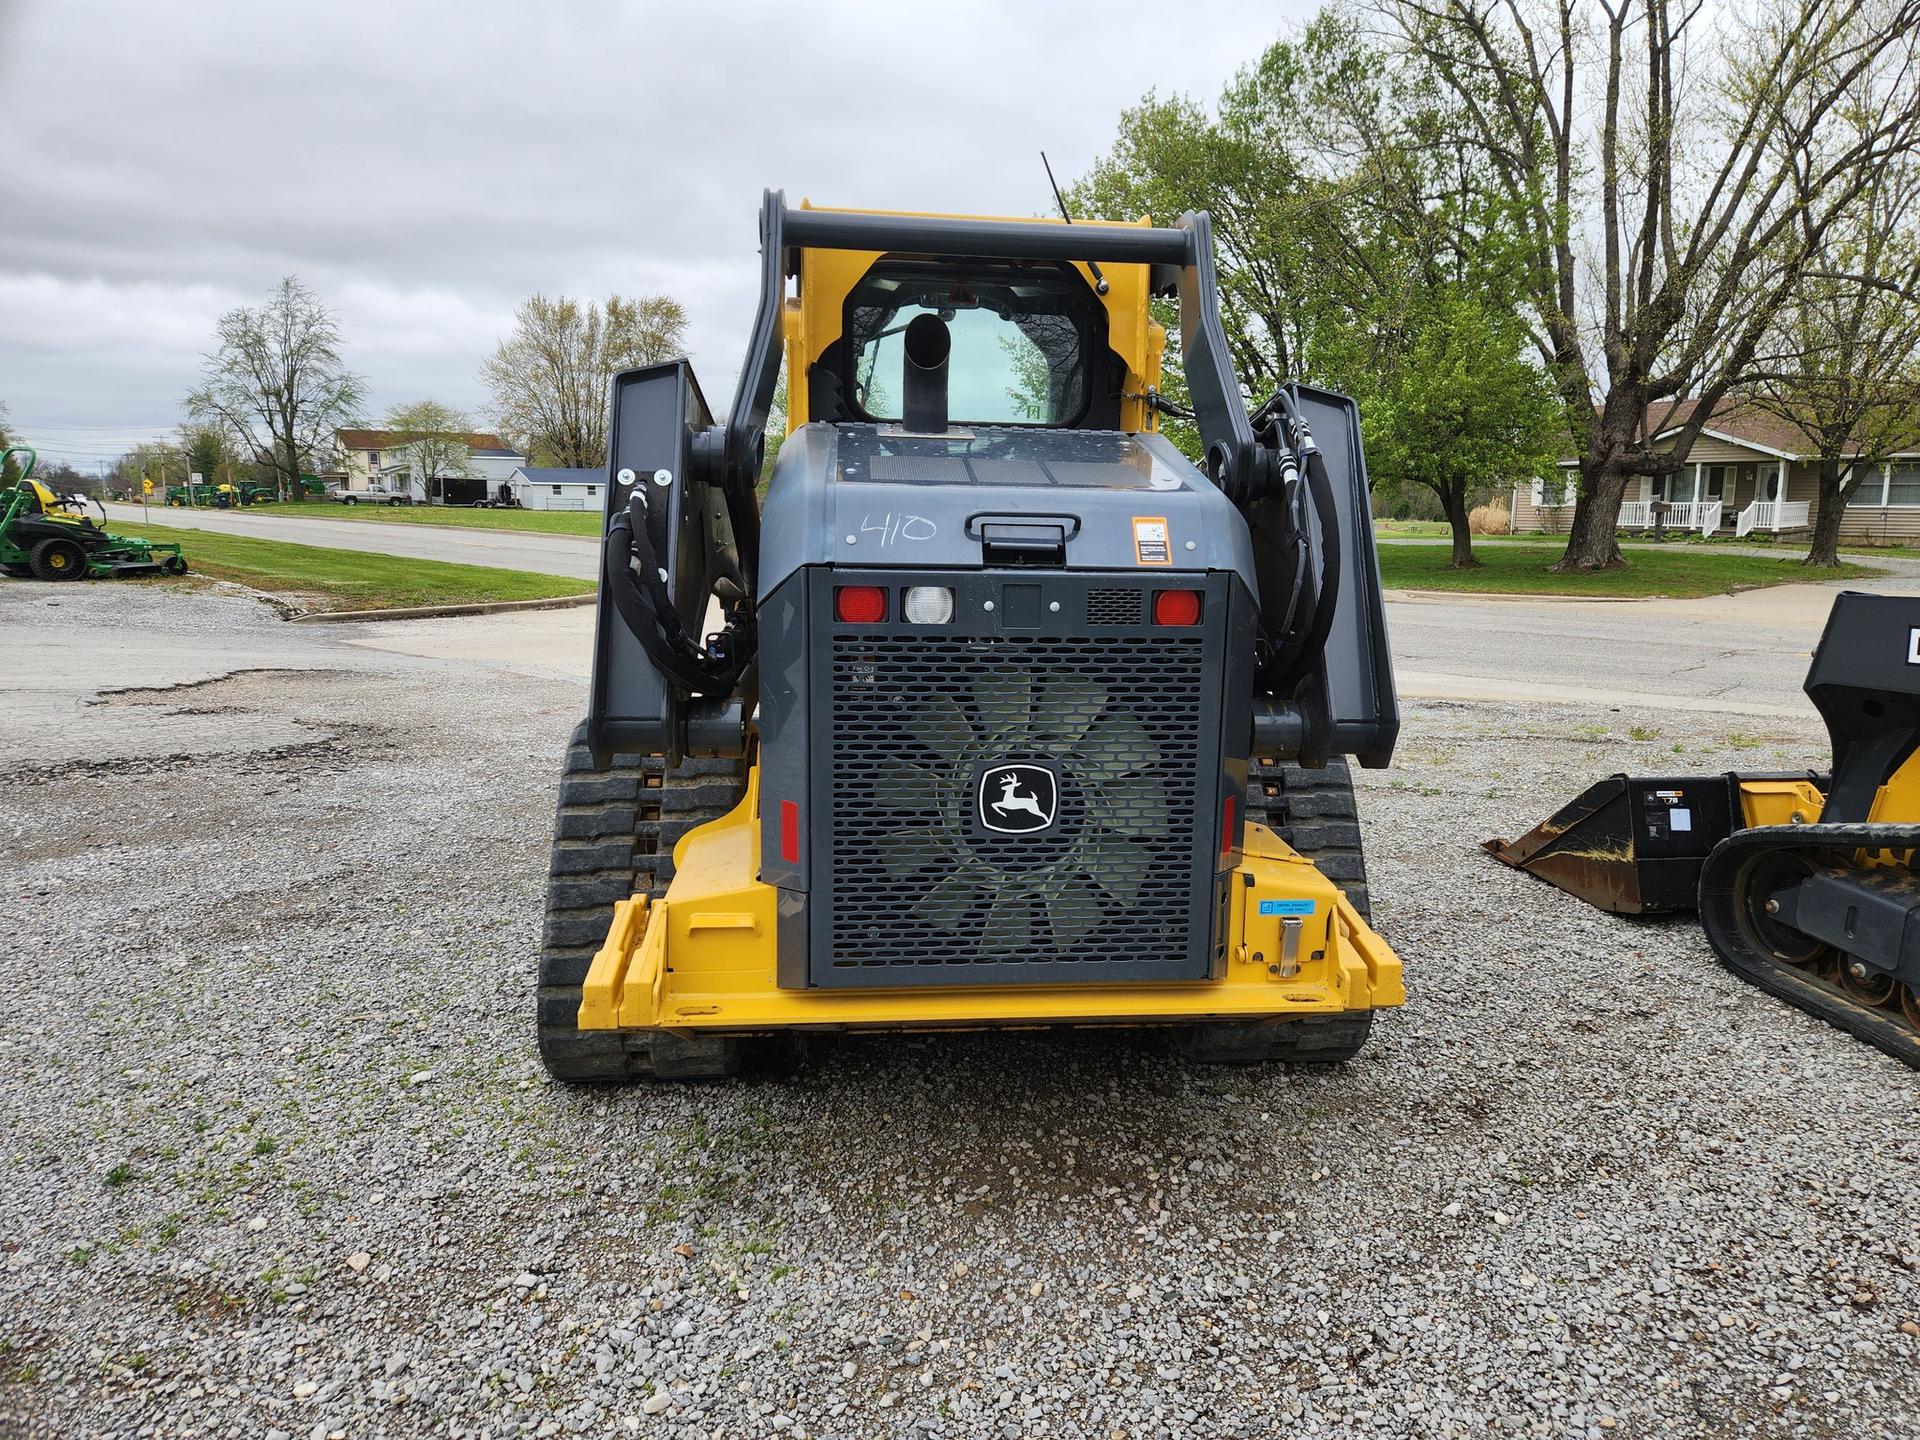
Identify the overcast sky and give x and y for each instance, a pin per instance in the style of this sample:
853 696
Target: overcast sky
424 167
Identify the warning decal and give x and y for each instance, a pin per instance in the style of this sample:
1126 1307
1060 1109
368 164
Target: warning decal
1151 545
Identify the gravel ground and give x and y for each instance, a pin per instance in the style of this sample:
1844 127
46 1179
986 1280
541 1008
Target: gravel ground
279 1160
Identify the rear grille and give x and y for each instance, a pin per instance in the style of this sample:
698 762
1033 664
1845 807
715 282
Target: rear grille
1115 607
919 891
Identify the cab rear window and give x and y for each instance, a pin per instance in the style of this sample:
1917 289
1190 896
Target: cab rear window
1021 337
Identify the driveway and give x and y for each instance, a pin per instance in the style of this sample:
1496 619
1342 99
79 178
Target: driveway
280 1158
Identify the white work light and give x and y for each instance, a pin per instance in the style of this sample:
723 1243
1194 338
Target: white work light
928 605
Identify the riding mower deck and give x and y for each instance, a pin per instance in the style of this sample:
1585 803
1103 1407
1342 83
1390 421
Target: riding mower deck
42 537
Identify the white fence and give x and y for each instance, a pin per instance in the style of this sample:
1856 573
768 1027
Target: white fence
1773 515
1706 516
1702 515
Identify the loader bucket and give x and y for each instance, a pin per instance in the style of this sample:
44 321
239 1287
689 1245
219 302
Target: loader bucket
1631 845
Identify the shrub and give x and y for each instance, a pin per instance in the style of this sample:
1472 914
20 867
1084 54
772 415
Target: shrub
1492 518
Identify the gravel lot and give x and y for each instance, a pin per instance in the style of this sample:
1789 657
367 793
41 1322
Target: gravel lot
279 1160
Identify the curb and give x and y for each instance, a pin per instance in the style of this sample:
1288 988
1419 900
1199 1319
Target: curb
430 612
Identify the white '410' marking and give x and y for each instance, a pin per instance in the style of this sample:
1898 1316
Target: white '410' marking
893 528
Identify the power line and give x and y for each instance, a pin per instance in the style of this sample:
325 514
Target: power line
108 429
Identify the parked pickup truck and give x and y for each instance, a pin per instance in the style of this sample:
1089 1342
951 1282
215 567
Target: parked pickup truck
372 495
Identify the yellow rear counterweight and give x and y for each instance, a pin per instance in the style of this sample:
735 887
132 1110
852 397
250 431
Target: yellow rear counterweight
704 957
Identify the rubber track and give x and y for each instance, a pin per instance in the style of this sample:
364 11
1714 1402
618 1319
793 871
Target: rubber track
613 836
1885 1030
1315 812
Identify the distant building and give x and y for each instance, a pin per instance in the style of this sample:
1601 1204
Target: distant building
363 456
1749 472
545 487
489 472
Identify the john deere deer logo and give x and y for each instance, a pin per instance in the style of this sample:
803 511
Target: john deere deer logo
1017 799
1011 799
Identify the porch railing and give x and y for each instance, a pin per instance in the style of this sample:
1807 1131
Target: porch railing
1702 515
1708 516
1773 515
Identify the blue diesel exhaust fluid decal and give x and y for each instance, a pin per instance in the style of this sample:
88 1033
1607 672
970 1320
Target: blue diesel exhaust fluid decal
1286 907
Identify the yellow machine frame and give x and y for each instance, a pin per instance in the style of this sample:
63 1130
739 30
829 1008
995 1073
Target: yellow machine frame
703 958
813 318
1800 802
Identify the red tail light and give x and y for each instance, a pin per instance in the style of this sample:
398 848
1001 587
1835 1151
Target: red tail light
1176 607
1226 823
859 604
790 832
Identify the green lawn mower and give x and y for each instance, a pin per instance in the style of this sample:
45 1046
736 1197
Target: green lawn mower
44 538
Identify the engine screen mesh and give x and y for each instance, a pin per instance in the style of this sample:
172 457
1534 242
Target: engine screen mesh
1116 607
920 728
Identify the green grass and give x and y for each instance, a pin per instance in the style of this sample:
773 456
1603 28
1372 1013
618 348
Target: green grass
322 579
539 522
1522 570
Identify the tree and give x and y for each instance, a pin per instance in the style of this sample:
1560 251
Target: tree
208 450
10 470
776 429
1357 253
432 439
1459 411
1287 259
277 381
1842 362
160 461
1706 193
549 377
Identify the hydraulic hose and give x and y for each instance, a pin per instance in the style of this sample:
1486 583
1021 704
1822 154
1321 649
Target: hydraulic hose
1286 429
1327 594
637 582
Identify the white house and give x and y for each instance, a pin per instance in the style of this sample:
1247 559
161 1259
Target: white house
488 472
1749 472
546 487
362 456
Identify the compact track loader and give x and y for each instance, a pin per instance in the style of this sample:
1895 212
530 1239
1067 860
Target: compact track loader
1806 884
1000 712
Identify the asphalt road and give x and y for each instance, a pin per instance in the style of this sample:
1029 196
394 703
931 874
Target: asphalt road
1729 655
574 556
1734 654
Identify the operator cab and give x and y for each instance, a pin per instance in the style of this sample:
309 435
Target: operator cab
1027 345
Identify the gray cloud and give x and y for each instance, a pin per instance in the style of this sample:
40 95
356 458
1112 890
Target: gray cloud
424 166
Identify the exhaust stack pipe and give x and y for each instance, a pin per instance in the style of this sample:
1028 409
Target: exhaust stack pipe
923 405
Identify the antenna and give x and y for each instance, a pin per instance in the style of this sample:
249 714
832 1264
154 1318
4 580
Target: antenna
1099 280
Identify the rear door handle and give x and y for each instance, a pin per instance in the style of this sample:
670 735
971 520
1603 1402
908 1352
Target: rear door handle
1023 543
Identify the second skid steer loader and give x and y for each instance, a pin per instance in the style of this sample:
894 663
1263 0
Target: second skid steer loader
1807 883
1000 712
